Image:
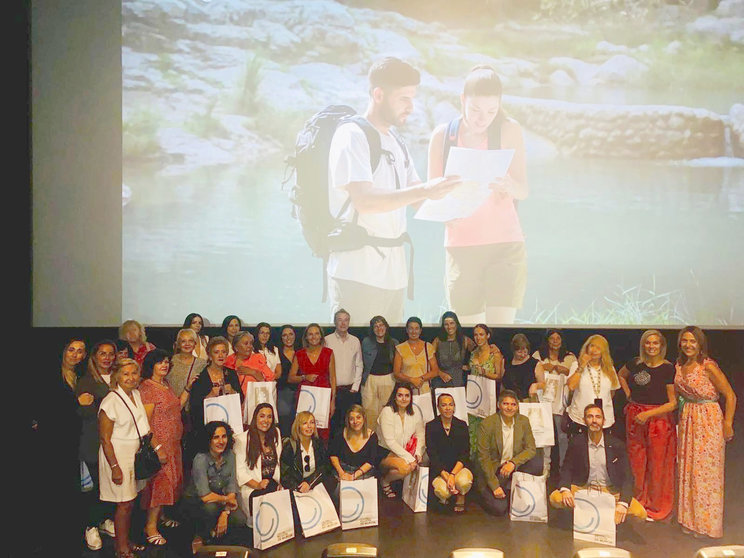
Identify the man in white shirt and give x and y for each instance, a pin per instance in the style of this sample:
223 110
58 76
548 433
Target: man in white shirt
607 469
347 352
372 279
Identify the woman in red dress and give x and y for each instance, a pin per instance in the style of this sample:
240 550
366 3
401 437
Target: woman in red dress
314 365
163 410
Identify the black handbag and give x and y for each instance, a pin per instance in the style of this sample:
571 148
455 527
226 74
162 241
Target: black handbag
146 460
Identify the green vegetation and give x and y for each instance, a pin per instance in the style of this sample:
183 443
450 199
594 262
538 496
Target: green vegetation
248 102
634 305
204 124
139 134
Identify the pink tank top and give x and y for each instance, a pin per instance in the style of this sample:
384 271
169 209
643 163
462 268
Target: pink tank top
494 222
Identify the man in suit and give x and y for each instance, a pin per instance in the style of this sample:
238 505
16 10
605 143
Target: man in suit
505 445
597 459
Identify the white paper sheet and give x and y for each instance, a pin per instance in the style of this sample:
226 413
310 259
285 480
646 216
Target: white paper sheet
478 168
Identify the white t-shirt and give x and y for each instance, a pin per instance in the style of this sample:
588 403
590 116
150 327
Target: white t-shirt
584 394
117 411
349 161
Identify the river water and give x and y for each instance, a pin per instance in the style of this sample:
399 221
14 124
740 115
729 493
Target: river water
221 241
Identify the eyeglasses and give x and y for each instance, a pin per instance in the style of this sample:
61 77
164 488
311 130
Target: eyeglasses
307 463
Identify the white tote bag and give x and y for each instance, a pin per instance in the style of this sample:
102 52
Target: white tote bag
594 517
272 519
481 396
458 394
541 421
423 407
316 511
225 408
358 503
553 392
528 498
317 400
416 489
255 394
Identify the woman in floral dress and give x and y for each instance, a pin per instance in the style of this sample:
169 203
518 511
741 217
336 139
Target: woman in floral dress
703 432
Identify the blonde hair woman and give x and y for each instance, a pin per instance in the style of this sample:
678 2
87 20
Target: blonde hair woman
122 419
650 430
185 367
304 459
133 333
592 380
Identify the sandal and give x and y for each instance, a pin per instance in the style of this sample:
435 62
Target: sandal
196 544
169 523
459 508
156 540
388 491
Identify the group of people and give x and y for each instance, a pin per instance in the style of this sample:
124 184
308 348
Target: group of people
115 394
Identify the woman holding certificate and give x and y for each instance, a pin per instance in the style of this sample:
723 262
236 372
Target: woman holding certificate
486 261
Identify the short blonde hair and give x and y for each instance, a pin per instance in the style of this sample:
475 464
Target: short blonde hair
301 418
605 360
129 323
119 366
646 334
185 332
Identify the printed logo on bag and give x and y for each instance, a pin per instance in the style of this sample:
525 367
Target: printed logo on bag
224 410
420 411
354 497
267 521
591 512
313 403
317 511
478 397
529 502
423 488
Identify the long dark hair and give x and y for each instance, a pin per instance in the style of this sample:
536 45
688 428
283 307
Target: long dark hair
296 344
391 400
253 449
544 350
226 322
270 345
459 335
190 318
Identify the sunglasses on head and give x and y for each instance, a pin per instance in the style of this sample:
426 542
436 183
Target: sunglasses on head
307 463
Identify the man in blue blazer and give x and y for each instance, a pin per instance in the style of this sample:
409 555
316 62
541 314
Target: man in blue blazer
597 459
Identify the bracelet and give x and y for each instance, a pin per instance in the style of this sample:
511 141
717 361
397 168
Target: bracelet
156 448
187 390
115 466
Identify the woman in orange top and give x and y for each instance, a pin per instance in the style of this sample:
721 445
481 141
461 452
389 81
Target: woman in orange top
486 261
250 366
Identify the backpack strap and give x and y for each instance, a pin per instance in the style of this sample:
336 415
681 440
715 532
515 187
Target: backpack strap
453 128
450 139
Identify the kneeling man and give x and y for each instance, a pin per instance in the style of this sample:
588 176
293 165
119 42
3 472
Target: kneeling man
596 458
505 445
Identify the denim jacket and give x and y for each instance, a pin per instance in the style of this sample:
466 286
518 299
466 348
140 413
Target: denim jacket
369 353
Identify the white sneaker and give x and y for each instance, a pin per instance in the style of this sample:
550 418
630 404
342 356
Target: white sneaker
107 528
93 538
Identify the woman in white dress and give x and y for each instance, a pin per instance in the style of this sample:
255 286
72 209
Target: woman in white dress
121 416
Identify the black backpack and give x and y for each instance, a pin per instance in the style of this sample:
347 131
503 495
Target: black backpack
309 194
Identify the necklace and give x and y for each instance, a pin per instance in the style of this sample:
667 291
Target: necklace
596 380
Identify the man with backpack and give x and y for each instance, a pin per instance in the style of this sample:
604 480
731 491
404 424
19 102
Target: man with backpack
371 181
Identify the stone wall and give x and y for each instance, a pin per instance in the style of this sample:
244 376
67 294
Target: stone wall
622 132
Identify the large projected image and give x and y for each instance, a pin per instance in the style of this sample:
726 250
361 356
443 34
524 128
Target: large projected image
623 204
